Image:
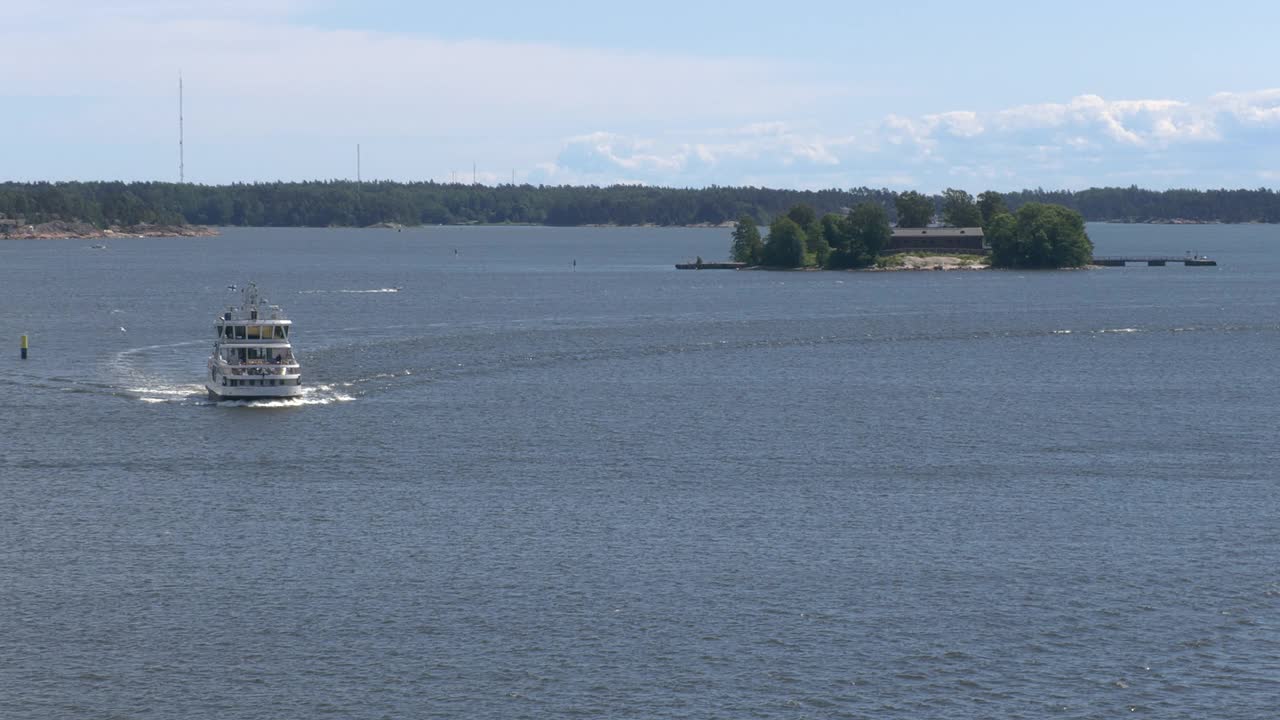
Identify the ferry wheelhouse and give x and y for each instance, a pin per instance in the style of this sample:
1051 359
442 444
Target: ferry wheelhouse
252 358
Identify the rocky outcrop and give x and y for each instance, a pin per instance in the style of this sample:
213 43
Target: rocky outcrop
65 229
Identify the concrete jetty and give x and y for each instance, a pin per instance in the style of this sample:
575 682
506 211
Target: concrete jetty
1154 260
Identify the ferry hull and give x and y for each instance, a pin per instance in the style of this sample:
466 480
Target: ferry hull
220 393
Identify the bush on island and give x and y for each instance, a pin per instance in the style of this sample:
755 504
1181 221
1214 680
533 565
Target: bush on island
1039 236
785 246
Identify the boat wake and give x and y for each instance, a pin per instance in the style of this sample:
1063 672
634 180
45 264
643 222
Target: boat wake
184 394
350 292
197 395
318 395
147 374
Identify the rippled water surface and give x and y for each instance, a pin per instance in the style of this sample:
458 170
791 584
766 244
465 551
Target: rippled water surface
540 473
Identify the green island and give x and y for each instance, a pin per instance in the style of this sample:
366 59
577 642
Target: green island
1035 236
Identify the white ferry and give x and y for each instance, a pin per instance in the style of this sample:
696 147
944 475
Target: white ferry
252 358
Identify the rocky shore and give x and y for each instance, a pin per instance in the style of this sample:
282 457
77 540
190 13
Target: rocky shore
65 230
935 262
893 263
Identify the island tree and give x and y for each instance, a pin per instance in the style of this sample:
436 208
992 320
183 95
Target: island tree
785 246
747 245
835 235
803 215
914 210
1039 236
959 209
990 204
817 245
863 233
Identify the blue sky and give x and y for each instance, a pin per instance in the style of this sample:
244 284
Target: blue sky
925 95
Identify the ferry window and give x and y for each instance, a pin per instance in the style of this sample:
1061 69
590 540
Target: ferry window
279 332
284 329
239 332
226 331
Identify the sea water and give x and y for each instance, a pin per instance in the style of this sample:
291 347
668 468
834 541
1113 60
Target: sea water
540 473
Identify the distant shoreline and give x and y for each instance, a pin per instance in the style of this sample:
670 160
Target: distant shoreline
344 203
62 230
75 230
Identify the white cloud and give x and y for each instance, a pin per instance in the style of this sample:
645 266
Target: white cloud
760 147
959 124
1261 108
1087 136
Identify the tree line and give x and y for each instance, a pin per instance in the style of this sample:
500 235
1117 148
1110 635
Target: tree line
350 204
1036 235
343 203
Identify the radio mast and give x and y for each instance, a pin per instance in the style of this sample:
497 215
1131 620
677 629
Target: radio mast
182 169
